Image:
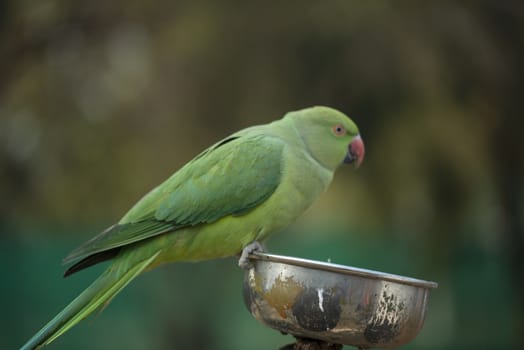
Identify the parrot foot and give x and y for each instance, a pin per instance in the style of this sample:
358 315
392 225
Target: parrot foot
243 261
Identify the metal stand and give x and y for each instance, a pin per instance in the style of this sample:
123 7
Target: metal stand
311 344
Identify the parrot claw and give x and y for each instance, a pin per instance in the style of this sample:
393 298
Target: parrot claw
243 261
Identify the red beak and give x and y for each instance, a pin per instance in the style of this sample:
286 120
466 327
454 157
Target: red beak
356 152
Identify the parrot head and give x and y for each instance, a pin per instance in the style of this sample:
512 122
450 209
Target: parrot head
330 136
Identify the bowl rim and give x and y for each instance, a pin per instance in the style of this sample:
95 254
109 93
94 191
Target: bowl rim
343 269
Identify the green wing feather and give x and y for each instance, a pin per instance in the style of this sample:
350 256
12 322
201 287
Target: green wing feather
230 178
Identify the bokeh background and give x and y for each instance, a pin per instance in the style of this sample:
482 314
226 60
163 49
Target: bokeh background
102 100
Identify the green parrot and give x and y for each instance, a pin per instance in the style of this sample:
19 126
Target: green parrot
222 203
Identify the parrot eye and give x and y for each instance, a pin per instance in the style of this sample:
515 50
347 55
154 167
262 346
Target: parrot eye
339 130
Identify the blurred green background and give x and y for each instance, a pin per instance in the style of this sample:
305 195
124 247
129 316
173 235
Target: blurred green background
100 101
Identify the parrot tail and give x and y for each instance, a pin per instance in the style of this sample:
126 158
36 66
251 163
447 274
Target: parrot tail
95 297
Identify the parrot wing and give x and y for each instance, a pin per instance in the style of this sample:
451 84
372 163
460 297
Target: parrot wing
230 178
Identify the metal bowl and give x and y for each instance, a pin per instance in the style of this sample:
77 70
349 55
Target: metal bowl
335 303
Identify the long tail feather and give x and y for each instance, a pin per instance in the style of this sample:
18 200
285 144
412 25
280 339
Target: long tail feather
96 296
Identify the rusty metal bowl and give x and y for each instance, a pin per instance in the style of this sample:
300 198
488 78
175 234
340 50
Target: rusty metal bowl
335 303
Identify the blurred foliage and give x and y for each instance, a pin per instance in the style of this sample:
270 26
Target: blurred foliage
100 101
